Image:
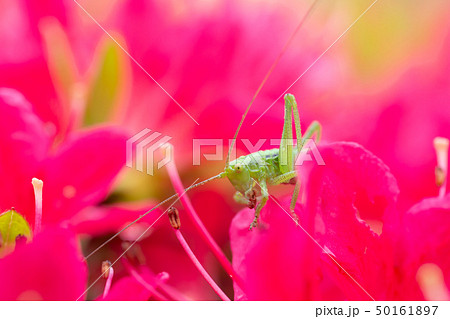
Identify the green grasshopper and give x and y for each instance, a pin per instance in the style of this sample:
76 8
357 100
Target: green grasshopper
250 174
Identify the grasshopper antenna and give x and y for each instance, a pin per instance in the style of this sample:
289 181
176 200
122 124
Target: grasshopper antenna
302 21
221 175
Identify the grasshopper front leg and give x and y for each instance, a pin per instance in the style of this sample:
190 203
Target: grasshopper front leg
264 197
239 198
249 200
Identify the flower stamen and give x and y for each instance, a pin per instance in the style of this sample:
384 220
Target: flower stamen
174 216
37 186
200 227
108 274
150 286
158 281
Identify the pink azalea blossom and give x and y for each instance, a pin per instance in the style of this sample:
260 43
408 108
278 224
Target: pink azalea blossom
277 261
347 255
22 61
76 178
128 288
75 174
425 240
108 219
353 186
49 268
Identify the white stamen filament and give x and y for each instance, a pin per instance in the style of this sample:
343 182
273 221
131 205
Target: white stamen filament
441 146
37 186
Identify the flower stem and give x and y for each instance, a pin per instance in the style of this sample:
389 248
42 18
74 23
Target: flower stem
199 266
206 236
37 186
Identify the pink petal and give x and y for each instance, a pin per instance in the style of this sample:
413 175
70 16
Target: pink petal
81 172
49 268
425 239
24 145
353 184
45 8
127 289
140 285
22 58
278 261
103 220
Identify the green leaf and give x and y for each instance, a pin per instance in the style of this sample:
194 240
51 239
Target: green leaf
108 83
12 226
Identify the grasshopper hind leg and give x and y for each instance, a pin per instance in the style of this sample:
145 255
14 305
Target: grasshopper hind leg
286 178
313 129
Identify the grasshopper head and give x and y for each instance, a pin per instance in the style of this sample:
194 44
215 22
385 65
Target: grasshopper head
239 176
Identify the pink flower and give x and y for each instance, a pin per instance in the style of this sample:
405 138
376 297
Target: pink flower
278 261
349 254
386 265
348 196
22 62
24 147
424 236
352 185
49 268
127 288
77 174
107 219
